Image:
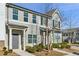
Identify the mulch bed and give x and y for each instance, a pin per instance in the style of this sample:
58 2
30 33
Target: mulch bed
9 54
46 53
70 50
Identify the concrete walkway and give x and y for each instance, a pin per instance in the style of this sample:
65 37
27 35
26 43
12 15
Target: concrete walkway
23 53
68 53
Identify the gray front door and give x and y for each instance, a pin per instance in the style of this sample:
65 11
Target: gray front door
15 41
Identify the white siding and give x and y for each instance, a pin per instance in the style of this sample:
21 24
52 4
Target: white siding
2 21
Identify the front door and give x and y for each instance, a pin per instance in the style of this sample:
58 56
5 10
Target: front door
15 41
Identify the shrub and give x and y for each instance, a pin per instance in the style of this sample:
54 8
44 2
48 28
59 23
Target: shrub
46 47
10 50
68 46
30 49
55 45
35 48
61 45
65 45
76 43
39 47
5 52
4 48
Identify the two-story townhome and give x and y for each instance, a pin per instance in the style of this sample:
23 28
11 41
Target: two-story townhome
71 35
21 27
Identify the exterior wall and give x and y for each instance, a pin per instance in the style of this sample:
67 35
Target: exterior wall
20 15
2 21
74 36
32 28
56 39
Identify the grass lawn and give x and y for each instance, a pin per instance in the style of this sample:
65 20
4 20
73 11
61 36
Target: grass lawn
52 53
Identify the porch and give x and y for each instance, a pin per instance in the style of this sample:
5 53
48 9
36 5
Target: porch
15 37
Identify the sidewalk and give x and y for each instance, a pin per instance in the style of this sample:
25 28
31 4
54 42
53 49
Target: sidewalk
23 53
68 53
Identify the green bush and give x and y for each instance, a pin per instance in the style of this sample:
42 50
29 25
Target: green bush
65 45
46 47
76 43
55 45
35 48
4 48
68 46
30 49
10 50
61 45
5 53
39 47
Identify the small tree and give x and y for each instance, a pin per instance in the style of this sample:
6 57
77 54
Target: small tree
68 23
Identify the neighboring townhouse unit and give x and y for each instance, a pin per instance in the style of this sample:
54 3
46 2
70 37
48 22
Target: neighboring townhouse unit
71 35
21 27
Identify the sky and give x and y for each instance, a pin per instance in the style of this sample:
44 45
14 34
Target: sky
69 11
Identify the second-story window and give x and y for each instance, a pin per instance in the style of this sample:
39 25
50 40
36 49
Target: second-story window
44 21
34 19
53 23
41 20
25 16
59 24
15 14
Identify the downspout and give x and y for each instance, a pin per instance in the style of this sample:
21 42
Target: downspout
8 28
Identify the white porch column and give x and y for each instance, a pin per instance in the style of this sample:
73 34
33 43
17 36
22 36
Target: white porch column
24 40
19 41
44 38
10 38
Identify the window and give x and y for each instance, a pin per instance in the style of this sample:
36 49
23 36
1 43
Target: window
15 14
59 24
29 38
44 21
34 39
41 20
34 19
53 23
25 16
56 23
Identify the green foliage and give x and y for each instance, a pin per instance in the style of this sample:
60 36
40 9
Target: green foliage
55 45
46 47
61 45
68 46
64 45
4 48
39 47
76 43
30 49
5 53
35 48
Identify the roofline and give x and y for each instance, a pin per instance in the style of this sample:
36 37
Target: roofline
26 9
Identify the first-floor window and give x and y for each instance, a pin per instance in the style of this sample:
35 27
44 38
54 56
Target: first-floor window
29 38
32 38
